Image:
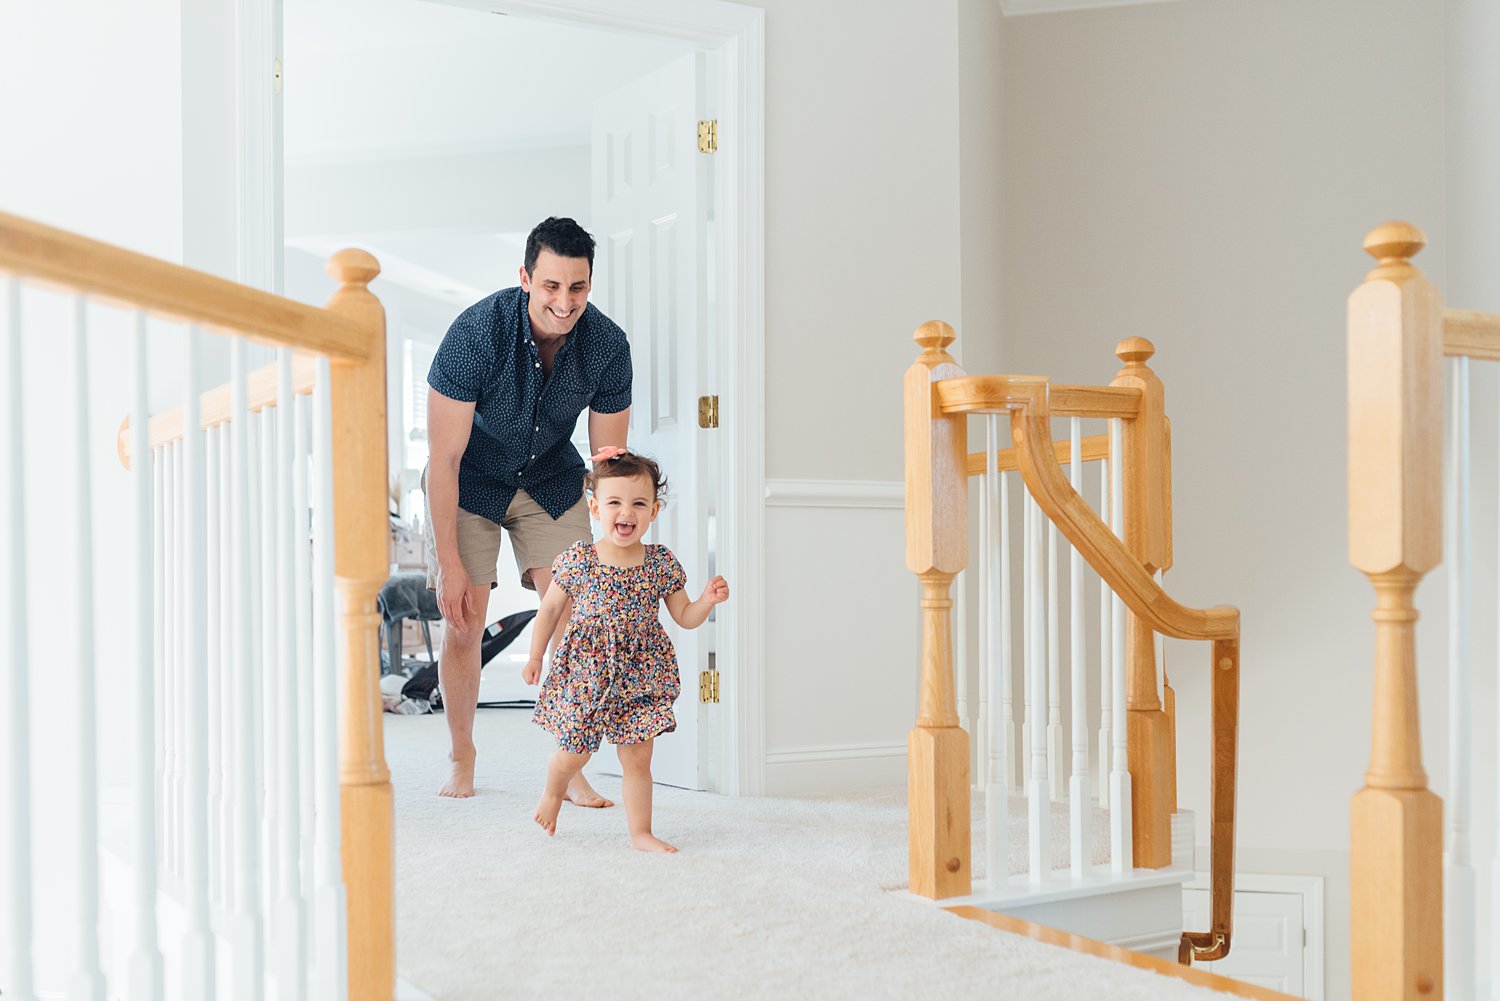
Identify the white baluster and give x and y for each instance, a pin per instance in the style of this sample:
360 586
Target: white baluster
160 480
1029 598
146 976
87 981
1054 673
182 667
228 707
291 954
198 940
15 734
1494 915
1122 851
302 551
1038 798
171 626
1007 687
996 790
266 671
213 662
1458 891
986 627
247 949
1079 806
1106 652
330 908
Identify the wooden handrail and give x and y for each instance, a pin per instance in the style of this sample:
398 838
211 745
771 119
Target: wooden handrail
112 274
1027 395
977 394
214 404
1470 334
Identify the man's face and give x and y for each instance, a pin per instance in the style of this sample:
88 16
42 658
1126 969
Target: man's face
559 289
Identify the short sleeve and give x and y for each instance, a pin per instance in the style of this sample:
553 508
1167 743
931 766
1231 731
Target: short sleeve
465 358
568 569
669 573
613 394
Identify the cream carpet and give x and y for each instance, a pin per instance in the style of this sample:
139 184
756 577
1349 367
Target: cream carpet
766 899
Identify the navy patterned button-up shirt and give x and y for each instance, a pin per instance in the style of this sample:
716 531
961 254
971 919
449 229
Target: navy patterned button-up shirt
523 419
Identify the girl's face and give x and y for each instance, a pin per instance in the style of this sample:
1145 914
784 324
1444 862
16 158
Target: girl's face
624 506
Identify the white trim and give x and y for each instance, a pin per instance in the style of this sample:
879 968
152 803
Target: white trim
1020 8
836 752
1310 888
1151 942
737 32
836 493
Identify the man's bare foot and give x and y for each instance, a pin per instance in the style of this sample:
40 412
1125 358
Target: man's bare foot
546 812
650 843
461 783
580 793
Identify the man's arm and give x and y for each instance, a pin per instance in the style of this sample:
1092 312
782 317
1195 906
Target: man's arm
449 423
608 430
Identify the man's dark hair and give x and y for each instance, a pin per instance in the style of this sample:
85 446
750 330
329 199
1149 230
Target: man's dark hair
563 237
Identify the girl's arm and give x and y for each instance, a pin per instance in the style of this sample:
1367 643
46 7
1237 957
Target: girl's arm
554 604
692 614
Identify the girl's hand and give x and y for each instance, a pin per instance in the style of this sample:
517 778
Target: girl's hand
717 591
532 672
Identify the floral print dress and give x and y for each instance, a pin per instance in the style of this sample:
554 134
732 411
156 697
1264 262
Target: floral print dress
614 672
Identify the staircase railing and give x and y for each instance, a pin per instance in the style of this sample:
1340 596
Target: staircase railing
259 807
1413 917
1126 552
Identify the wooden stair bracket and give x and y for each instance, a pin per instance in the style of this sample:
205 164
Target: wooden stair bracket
1395 538
937 525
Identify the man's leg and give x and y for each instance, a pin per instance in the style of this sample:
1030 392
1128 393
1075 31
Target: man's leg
458 673
579 793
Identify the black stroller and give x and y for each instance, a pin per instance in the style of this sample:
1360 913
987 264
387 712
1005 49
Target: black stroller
497 636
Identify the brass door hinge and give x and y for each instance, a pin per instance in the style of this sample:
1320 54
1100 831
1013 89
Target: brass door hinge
708 411
708 686
708 136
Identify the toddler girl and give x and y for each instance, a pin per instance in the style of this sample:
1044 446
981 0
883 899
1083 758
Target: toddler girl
614 673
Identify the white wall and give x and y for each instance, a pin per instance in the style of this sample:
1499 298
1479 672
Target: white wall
1202 174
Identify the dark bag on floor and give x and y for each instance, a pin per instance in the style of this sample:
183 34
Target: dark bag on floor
497 636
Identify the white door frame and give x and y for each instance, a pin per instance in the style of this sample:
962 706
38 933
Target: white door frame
737 34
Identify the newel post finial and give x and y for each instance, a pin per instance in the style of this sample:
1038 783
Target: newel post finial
1393 245
1135 350
353 268
935 336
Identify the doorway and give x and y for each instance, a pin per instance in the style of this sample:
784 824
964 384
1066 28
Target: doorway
443 246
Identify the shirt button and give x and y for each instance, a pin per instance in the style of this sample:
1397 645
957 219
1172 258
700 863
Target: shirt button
533 457
538 364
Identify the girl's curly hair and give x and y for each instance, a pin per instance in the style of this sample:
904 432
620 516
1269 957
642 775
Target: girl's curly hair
625 465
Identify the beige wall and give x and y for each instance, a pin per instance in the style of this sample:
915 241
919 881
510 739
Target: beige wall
1202 174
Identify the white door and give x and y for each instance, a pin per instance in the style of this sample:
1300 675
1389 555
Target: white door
650 219
1269 941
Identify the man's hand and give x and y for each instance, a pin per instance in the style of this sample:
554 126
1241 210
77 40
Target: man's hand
455 595
717 591
532 672
606 452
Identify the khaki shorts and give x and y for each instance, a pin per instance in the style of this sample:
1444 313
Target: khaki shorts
536 538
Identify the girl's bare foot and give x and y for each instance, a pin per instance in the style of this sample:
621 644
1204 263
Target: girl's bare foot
580 793
546 812
461 783
650 843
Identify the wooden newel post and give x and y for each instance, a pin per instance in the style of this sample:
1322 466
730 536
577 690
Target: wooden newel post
1147 534
361 565
1395 537
937 524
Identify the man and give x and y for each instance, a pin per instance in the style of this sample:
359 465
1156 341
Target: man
507 385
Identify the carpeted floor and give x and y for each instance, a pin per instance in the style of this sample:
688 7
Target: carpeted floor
766 899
